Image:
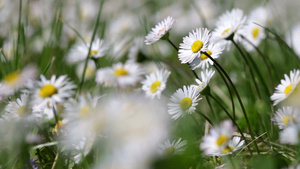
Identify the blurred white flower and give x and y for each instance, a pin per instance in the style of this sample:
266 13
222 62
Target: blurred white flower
90 70
286 116
161 29
134 128
79 52
155 83
176 147
290 135
253 30
14 81
287 86
120 74
218 141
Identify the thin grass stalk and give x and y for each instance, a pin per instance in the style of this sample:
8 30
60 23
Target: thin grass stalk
90 47
264 59
248 66
238 96
17 56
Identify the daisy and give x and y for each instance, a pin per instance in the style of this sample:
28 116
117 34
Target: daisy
228 26
47 93
16 80
214 50
79 52
234 144
90 70
161 29
176 147
283 90
206 75
120 74
19 109
285 117
252 31
183 102
193 45
155 83
290 135
218 139
295 42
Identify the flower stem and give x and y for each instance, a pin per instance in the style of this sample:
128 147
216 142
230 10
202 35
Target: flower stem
238 96
239 129
264 59
211 108
174 46
206 118
90 47
230 94
248 66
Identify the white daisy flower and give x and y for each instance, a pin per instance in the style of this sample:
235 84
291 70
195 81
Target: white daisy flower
193 45
155 83
283 90
218 138
234 144
183 102
290 135
160 30
90 70
120 74
229 24
19 109
214 50
206 75
176 147
286 116
47 93
252 31
81 108
16 80
79 52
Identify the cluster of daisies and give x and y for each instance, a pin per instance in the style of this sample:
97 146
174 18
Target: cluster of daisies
287 117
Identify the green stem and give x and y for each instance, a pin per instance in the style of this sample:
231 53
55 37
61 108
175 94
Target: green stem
230 94
264 59
248 66
239 129
17 57
90 47
238 96
211 108
206 118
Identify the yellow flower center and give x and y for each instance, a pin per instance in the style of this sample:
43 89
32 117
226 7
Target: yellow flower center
12 78
221 140
84 111
121 72
93 52
169 151
47 91
203 56
288 89
89 72
185 103
58 126
196 46
255 32
288 118
226 31
21 110
227 149
154 86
